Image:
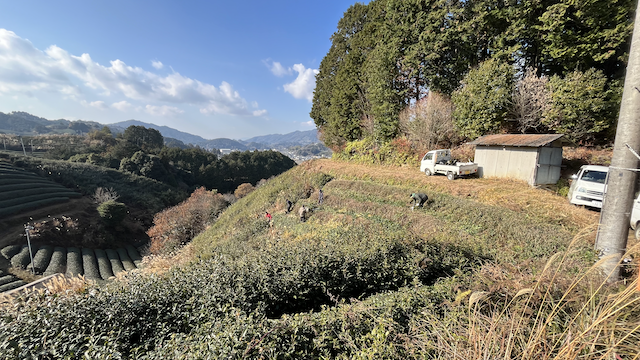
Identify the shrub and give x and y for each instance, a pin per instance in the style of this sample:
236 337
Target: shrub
9 251
12 285
21 259
41 259
176 226
89 265
243 190
133 254
105 194
74 262
7 279
125 259
58 263
112 212
114 259
103 264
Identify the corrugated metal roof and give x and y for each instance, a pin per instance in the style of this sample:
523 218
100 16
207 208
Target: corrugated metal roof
527 140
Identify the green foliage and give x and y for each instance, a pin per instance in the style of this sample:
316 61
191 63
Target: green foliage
90 265
114 259
24 206
74 262
579 35
41 259
112 212
482 103
584 106
366 151
10 250
133 190
21 259
386 55
58 263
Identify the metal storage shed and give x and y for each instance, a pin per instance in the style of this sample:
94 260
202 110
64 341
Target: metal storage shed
535 159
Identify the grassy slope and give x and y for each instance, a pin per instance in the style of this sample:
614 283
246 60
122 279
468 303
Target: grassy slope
364 277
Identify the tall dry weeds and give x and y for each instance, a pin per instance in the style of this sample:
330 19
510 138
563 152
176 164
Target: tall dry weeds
587 319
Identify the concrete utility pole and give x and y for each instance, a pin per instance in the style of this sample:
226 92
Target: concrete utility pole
614 218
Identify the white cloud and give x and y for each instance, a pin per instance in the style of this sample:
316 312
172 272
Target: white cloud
26 69
163 110
98 105
277 69
302 87
157 64
309 123
122 105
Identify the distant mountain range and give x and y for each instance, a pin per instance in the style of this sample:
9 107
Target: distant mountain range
296 138
22 123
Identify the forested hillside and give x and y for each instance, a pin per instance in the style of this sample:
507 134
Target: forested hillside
439 72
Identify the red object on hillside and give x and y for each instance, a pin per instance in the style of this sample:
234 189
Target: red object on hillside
268 216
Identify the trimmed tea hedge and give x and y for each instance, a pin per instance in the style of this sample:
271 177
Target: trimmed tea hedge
24 193
7 279
21 259
7 181
74 262
134 254
11 210
103 264
58 263
90 265
126 260
31 185
10 251
12 285
41 259
114 259
31 198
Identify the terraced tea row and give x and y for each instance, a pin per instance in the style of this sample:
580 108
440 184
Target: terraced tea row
94 264
21 190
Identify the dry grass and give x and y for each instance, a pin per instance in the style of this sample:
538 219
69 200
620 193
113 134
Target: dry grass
492 191
587 319
159 264
586 155
64 285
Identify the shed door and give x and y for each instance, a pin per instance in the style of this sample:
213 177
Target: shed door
549 161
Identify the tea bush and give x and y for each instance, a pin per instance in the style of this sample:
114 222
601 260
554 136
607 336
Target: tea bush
90 265
10 250
74 262
41 259
58 263
114 259
125 259
112 212
104 265
21 259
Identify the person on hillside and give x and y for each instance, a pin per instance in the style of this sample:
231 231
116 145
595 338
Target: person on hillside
418 199
303 213
269 218
289 206
320 197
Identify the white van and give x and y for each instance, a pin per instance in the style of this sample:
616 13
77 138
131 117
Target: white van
587 187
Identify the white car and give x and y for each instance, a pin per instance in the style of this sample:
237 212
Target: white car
588 186
634 221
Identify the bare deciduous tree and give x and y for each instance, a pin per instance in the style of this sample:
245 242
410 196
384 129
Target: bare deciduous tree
104 194
429 122
531 99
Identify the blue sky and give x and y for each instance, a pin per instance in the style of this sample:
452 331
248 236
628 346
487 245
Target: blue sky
210 68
